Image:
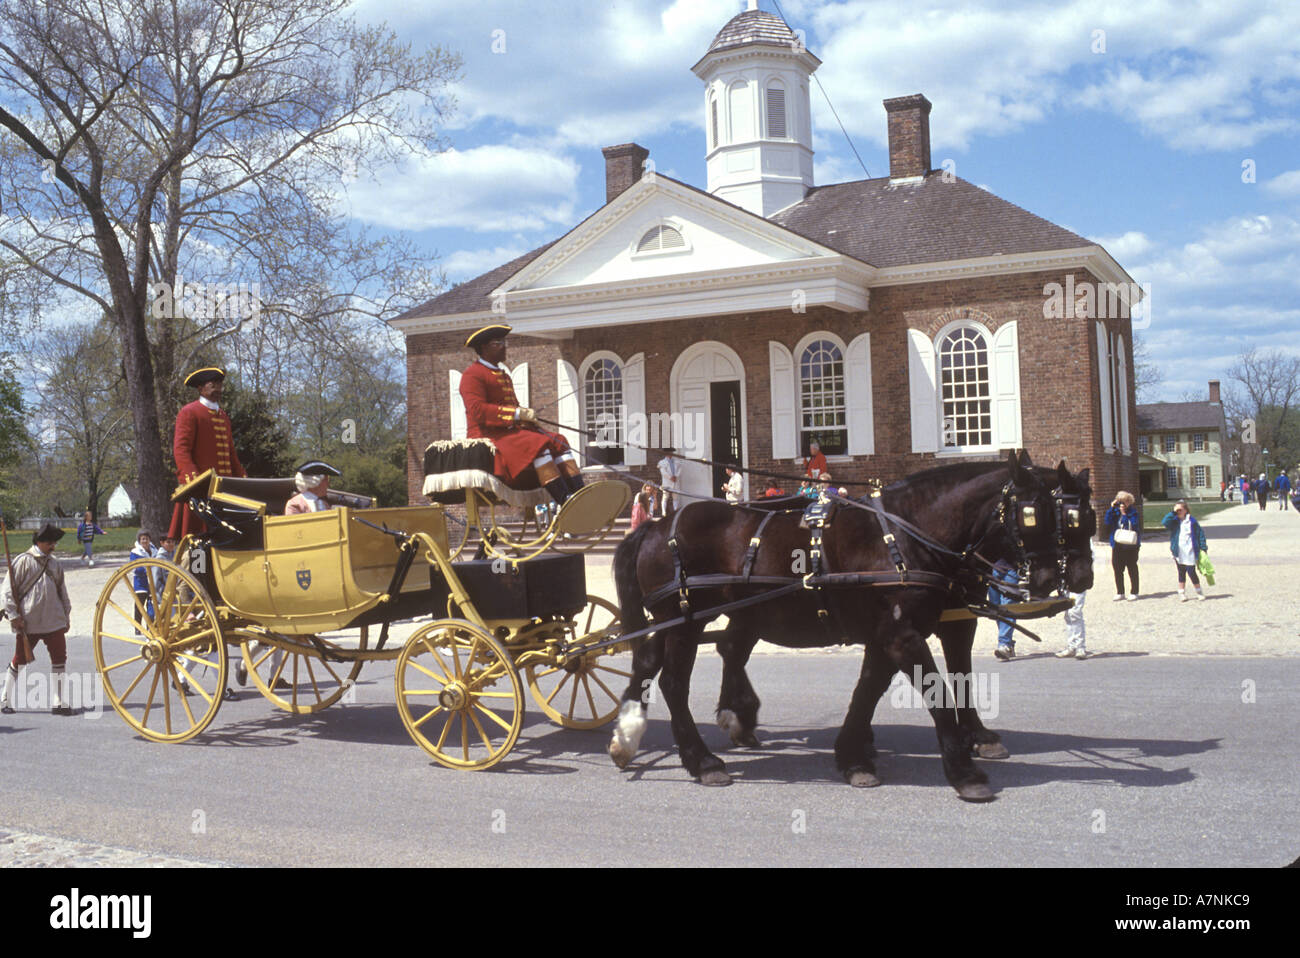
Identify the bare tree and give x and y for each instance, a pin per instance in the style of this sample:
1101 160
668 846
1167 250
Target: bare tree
1261 405
148 137
1146 374
81 405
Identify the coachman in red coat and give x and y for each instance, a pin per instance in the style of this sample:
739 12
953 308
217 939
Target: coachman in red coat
203 440
527 455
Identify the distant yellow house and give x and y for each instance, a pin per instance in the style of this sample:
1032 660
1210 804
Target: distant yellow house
1181 448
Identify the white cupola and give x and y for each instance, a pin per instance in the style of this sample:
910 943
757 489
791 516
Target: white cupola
757 122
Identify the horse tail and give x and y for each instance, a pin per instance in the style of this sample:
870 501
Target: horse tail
631 611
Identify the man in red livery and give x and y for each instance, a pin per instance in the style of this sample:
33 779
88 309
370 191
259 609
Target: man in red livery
203 440
527 456
815 464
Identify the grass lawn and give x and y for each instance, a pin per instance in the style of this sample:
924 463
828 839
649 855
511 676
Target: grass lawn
113 540
1153 512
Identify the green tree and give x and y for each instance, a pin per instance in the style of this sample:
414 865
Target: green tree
14 438
261 441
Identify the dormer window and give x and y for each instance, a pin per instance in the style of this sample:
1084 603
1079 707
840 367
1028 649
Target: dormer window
659 238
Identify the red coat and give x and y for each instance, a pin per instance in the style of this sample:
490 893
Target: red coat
490 404
815 466
203 440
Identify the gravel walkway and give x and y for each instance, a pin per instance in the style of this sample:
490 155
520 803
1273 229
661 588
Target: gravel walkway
25 850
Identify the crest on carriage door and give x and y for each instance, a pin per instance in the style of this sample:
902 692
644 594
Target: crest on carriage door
304 579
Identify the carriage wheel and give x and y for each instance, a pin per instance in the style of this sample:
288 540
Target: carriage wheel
176 642
303 682
585 692
459 695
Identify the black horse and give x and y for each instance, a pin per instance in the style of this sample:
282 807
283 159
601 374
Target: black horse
972 514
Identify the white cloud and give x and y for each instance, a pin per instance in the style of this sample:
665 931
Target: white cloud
468 263
1124 248
482 189
1284 184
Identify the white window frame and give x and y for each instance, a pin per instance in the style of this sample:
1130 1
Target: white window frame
786 396
926 388
1200 477
1198 442
1174 477
797 354
1170 443
1144 445
632 374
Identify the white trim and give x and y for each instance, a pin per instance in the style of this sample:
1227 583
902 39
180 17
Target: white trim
519 379
859 403
1004 386
568 407
673 223
1103 385
634 453
456 406
797 355
683 359
923 389
783 395
1125 439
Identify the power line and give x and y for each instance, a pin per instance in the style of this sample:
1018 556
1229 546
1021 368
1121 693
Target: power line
834 112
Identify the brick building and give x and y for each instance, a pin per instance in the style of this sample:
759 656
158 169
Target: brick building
900 321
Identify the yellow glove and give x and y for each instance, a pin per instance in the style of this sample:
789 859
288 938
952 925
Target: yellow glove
527 415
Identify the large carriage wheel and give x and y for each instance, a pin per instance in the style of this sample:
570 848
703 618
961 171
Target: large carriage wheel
586 691
459 695
176 642
300 682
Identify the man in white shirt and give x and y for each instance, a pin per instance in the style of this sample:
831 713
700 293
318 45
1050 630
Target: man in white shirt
734 489
669 472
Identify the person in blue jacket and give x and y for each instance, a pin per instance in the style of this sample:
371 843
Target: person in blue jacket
87 529
1186 542
143 549
1124 520
1283 489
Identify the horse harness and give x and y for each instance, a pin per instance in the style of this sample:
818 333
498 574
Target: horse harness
1010 516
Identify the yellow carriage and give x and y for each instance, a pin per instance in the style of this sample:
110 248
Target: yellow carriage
301 598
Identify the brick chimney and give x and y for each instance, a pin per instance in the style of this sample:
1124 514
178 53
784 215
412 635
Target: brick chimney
909 136
1214 390
623 166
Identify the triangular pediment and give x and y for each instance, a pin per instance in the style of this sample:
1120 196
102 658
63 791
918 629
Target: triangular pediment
697 233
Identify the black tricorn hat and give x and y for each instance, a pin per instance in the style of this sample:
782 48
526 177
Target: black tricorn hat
482 337
48 533
317 467
200 376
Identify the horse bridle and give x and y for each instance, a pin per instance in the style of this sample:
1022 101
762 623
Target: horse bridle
1014 518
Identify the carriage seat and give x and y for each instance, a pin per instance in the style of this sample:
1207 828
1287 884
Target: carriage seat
451 466
276 493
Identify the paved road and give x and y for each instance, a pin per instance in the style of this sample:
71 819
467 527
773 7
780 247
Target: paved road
1122 760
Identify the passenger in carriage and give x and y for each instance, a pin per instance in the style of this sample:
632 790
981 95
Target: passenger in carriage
313 481
527 455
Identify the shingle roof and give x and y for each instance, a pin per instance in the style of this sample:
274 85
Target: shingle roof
871 220
926 222
1180 415
475 294
752 26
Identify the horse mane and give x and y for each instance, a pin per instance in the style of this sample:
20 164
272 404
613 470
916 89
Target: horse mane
954 471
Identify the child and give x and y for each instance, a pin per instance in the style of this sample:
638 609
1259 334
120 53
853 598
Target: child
87 529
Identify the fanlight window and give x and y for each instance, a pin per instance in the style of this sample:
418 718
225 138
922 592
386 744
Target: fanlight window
660 238
602 393
967 404
821 398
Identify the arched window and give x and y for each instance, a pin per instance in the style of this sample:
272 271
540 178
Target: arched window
661 238
602 420
964 390
774 108
821 398
713 118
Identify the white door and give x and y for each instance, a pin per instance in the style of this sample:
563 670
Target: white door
697 367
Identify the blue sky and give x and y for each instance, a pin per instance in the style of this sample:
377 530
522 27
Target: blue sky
1128 123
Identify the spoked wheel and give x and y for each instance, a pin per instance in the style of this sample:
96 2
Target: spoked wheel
459 694
585 692
176 642
299 682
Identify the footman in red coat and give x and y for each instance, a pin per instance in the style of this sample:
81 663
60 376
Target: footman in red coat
203 440
527 456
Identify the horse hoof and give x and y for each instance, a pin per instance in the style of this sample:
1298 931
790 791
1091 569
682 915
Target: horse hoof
992 750
975 792
748 740
861 778
716 777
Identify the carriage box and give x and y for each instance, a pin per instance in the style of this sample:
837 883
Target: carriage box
544 586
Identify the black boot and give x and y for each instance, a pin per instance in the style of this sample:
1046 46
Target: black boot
559 489
574 482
